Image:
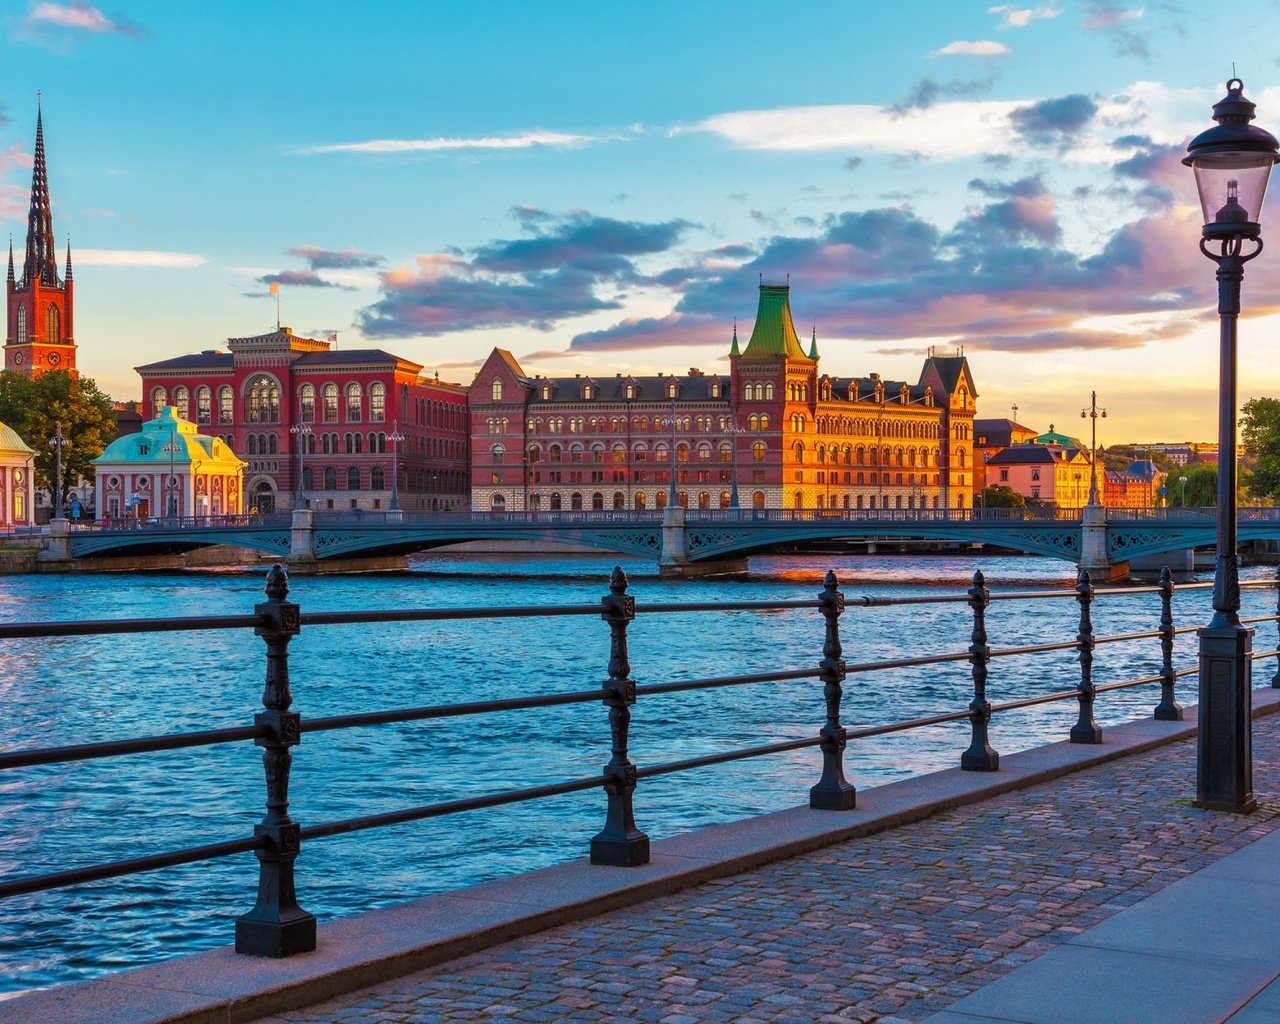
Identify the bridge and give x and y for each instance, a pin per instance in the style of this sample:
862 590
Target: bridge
684 542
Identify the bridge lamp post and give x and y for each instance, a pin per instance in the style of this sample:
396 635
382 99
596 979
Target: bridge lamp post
1094 414
57 443
302 431
1232 162
395 437
171 484
1183 481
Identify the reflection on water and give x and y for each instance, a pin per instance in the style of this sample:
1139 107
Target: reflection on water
75 690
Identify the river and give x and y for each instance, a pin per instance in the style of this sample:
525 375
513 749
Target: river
78 689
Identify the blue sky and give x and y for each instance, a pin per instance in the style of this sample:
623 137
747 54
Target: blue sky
599 187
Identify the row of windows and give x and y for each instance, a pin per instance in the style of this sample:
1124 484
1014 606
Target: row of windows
640 452
859 455
589 392
612 424
576 501
262 402
354 479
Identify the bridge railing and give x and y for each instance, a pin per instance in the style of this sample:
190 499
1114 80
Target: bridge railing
278 926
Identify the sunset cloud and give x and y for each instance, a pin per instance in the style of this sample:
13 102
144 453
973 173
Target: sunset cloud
1021 17
977 48
76 17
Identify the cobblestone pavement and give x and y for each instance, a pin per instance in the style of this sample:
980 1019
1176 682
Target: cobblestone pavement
889 928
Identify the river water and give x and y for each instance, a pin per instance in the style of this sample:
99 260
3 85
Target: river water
78 689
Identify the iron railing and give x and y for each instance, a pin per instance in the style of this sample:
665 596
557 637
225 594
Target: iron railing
278 926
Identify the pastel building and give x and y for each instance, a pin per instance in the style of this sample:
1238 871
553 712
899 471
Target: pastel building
168 469
17 480
773 432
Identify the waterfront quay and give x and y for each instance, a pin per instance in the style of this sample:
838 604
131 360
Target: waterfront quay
720 772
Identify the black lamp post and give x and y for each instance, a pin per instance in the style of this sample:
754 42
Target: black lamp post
395 437
57 443
1094 413
1232 163
303 433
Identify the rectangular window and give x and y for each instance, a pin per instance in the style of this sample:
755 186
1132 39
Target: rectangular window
1035 474
204 403
1004 475
225 409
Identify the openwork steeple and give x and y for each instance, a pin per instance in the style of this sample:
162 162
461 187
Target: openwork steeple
41 263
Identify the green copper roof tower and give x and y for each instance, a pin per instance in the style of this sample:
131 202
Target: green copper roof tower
774 335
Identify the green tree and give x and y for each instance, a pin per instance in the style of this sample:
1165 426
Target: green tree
33 406
1000 496
1260 437
1202 485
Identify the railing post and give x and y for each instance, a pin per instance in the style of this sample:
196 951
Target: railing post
833 792
1275 679
277 926
1168 710
619 843
980 757
1086 729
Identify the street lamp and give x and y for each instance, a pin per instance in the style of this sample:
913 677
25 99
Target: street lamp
302 431
171 503
1183 480
57 443
395 437
733 430
1094 413
1232 163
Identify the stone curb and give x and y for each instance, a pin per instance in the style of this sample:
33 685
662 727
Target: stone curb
219 987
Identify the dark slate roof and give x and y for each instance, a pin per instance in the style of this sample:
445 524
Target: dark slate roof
350 355
863 389
949 370
1024 454
196 361
997 432
614 389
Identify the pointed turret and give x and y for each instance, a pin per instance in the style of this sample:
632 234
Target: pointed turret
41 263
733 349
11 261
813 345
70 277
774 334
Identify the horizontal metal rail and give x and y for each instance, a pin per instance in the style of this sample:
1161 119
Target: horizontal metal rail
117 748
114 627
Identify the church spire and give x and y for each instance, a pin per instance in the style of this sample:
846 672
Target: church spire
41 263
69 277
733 349
11 261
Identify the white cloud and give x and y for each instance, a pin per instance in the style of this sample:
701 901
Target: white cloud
1015 17
978 48
948 131
1110 17
134 258
525 140
76 16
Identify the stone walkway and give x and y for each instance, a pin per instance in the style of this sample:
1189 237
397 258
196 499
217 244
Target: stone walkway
890 928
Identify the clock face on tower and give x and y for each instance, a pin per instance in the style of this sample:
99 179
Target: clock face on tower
17 358
54 358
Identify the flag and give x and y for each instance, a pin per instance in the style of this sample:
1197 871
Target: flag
273 288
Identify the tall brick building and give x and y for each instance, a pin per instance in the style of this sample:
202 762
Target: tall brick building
775 428
308 418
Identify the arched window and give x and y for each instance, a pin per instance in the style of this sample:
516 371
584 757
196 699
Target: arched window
704 499
330 478
535 454
251 444
329 396
356 444
22 325
264 400
757 499
182 402
377 402
226 404
499 453
640 500
555 453
597 502
495 390
271 444
726 451
353 478
159 399
758 452
307 403
498 503
52 326
376 478
355 400
619 502
631 391
555 502
204 404
575 502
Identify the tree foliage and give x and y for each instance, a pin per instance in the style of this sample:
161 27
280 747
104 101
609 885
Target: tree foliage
1000 496
1260 437
33 406
1202 485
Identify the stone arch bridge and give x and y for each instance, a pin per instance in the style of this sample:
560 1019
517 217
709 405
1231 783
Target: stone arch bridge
683 542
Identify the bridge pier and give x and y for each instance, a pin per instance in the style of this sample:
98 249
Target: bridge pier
302 548
674 561
59 549
1093 548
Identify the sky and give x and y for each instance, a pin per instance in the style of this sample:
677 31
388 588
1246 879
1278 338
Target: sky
600 187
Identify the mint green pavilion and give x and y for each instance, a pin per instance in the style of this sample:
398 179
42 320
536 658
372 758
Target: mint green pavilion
168 470
17 479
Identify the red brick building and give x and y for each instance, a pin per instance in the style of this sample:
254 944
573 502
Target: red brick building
321 427
775 428
41 306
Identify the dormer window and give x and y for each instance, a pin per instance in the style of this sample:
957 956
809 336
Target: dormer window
671 390
631 391
586 391
496 390
546 392
715 389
